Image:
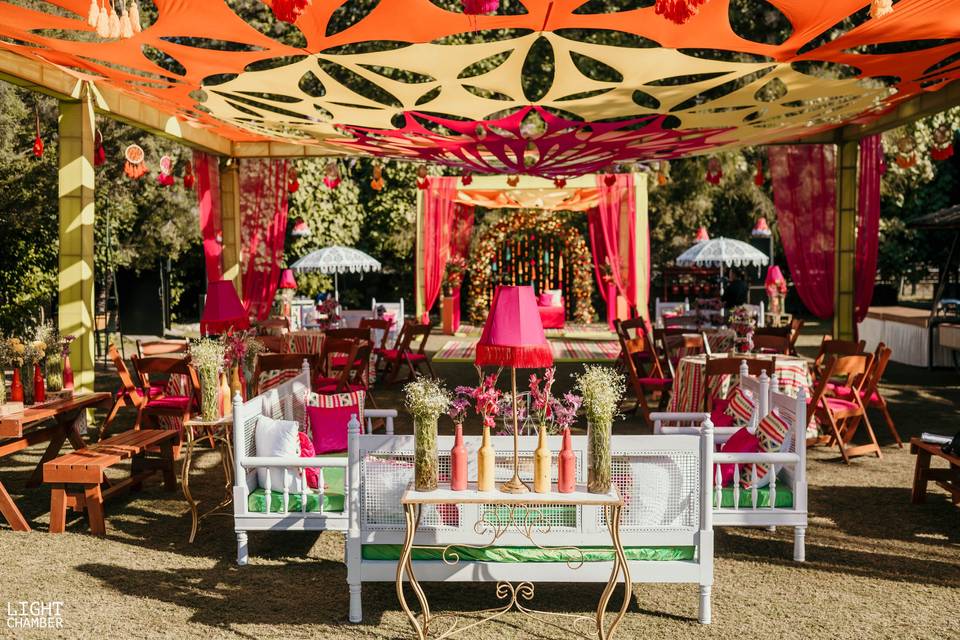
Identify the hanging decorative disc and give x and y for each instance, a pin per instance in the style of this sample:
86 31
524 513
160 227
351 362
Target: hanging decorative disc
165 176
135 166
942 143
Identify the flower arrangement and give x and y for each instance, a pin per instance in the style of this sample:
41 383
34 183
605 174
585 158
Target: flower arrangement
6 359
602 389
743 322
487 399
426 400
549 412
331 309
207 355
453 275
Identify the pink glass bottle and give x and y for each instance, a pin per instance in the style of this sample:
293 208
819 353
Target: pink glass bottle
458 462
39 385
566 465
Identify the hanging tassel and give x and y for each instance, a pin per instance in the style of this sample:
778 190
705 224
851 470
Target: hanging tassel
188 178
103 23
466 178
678 11
94 14
135 167
293 184
880 8
38 141
332 177
135 17
99 154
758 179
559 183
126 27
114 23
714 171
513 181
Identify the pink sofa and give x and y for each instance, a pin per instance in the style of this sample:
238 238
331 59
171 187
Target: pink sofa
552 317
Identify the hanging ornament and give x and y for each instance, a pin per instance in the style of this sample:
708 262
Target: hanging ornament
466 178
99 154
422 180
942 143
610 178
103 22
188 178
702 235
758 178
288 10
480 7
300 229
114 22
293 185
906 152
377 183
331 176
761 229
880 8
126 27
37 141
134 10
714 171
513 180
559 183
135 166
165 177
678 11
93 14
662 172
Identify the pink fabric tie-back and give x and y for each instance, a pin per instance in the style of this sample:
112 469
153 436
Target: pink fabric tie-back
804 190
868 223
208 198
438 220
263 211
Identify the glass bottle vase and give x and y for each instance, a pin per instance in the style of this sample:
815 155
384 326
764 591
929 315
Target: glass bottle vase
425 466
599 466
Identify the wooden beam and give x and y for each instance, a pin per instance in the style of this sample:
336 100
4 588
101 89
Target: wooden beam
108 101
642 246
845 241
76 203
231 224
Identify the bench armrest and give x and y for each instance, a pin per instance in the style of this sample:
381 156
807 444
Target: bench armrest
297 463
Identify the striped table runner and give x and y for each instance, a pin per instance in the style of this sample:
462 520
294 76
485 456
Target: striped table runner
792 372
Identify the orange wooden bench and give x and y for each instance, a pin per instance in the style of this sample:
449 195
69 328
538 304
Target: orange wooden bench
78 480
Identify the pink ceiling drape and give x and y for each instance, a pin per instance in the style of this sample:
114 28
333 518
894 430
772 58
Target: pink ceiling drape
804 191
438 221
208 198
263 212
804 188
868 223
613 233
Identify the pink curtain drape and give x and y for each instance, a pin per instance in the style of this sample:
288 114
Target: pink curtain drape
263 212
438 219
207 170
804 191
868 223
613 233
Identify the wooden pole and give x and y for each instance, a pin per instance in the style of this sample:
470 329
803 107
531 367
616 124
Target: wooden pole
845 241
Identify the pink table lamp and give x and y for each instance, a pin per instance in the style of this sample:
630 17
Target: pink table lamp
702 235
223 310
513 337
287 281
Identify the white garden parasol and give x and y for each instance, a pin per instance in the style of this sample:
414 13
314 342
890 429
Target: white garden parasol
722 252
336 260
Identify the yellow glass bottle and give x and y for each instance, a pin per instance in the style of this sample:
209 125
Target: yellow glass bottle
486 459
541 464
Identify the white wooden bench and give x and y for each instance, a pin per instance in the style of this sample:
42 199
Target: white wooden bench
257 508
663 479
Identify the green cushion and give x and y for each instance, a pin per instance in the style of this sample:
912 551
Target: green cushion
784 498
332 497
528 554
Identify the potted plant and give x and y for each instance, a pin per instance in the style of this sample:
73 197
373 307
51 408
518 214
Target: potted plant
426 399
602 390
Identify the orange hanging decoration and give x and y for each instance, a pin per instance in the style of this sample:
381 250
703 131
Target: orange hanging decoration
422 180
678 11
288 10
38 141
293 185
559 183
714 171
758 178
332 175
880 8
513 181
135 166
906 152
942 143
377 183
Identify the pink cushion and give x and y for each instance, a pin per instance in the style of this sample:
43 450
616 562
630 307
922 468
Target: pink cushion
718 415
170 402
656 383
307 451
393 354
837 404
545 300
328 422
339 362
740 442
552 317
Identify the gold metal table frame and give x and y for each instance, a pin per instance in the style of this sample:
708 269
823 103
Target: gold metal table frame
219 431
529 524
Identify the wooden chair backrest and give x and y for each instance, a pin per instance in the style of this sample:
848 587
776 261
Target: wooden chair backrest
732 366
275 322
349 349
360 362
283 362
659 366
783 332
417 330
161 347
374 324
126 379
816 398
273 344
831 347
881 357
854 369
630 349
349 333
778 344
166 366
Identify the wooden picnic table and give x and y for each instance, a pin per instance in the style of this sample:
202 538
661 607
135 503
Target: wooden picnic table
26 428
948 478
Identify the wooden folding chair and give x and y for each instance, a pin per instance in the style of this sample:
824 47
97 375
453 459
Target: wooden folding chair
379 334
680 343
654 381
332 381
870 391
278 325
623 328
304 342
844 415
289 364
177 408
161 347
128 395
404 353
796 325
771 343
830 347
725 366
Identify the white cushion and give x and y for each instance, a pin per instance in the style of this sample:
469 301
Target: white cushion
557 297
277 439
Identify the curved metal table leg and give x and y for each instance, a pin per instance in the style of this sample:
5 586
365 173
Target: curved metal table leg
405 565
620 565
185 483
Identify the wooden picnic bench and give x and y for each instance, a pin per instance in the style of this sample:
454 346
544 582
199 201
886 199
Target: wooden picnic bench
78 480
948 478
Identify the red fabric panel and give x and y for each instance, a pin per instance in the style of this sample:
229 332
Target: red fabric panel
804 190
552 317
868 224
208 198
613 235
438 219
263 211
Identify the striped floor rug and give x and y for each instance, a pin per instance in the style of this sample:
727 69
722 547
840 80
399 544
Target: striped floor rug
563 351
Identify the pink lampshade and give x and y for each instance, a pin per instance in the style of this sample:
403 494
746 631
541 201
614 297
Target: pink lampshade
287 281
702 235
775 279
513 334
223 310
761 229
